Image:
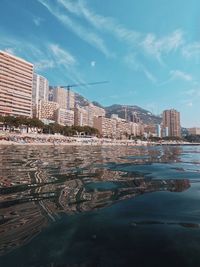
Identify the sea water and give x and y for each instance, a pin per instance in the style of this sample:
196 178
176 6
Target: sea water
99 206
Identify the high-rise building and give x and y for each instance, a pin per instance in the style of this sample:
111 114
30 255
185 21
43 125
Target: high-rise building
50 97
123 129
171 120
106 126
65 98
150 130
70 99
137 129
80 116
16 79
40 92
94 111
60 97
194 131
158 130
64 117
47 110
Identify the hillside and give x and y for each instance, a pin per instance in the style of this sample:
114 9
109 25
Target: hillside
144 115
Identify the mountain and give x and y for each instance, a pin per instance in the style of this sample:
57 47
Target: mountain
144 115
81 101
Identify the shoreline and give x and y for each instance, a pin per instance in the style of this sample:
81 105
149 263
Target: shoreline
9 139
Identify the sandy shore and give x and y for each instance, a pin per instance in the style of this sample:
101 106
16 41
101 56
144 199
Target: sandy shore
79 143
59 140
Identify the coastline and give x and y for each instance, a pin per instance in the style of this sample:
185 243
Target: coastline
59 140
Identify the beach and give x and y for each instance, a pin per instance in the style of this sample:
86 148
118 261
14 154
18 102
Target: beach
49 139
56 139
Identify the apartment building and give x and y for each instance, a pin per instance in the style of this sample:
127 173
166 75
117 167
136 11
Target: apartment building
64 117
47 110
123 128
107 127
16 79
64 97
94 111
80 116
40 92
171 120
194 131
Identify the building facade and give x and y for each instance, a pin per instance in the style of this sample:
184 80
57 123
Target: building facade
64 97
16 79
94 111
60 97
40 92
123 129
137 129
64 117
47 110
80 116
171 120
194 131
107 127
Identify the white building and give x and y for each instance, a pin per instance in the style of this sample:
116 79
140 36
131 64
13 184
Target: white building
65 117
16 79
40 92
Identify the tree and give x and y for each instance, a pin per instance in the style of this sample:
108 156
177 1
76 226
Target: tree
193 138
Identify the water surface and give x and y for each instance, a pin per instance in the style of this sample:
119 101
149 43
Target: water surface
99 206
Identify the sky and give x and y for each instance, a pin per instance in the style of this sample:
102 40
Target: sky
147 50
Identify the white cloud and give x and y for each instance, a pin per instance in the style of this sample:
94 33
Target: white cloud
132 62
190 92
191 51
84 33
44 64
177 74
71 6
45 56
149 75
194 92
37 21
10 50
102 23
107 24
189 104
147 43
62 56
157 46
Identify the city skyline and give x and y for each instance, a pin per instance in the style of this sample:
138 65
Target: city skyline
152 63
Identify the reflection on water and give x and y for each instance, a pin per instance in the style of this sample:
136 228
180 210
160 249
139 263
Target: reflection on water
39 185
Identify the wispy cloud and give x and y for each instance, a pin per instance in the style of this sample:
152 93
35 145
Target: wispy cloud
101 22
189 104
62 56
158 46
84 33
37 21
132 62
45 56
193 92
177 74
10 50
148 74
191 51
147 43
44 65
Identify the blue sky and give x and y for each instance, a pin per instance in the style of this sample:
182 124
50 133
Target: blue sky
148 50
